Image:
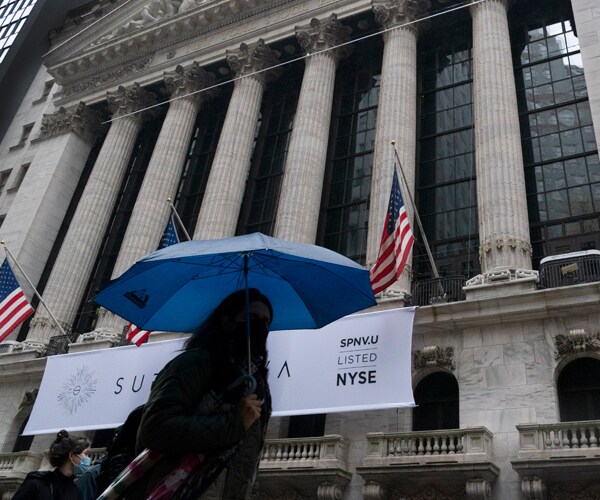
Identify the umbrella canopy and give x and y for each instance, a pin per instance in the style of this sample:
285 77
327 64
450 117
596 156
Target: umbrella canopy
178 287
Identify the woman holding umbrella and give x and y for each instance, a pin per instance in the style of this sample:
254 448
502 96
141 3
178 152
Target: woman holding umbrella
199 416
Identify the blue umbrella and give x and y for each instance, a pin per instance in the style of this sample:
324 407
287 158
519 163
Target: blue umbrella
178 287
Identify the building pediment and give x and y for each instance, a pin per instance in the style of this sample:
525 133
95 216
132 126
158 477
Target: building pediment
125 40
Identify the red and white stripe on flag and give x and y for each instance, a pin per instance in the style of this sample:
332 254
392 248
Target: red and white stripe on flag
396 242
14 309
137 336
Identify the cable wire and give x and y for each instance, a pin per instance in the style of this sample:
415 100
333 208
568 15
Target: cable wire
285 63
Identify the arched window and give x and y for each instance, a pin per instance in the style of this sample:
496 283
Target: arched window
579 390
436 397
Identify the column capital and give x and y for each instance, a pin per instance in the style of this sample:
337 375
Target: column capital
391 13
184 81
80 119
130 99
507 4
324 34
253 57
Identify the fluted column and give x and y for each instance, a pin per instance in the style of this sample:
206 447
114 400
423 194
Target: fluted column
300 197
502 202
34 217
74 263
396 120
151 212
225 188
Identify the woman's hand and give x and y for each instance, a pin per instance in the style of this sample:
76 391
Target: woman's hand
250 409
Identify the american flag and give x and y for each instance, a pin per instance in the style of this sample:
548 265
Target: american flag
169 237
396 242
14 306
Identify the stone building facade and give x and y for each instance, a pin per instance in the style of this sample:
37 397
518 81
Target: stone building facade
279 116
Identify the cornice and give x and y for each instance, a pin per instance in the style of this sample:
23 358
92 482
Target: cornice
86 73
125 49
532 306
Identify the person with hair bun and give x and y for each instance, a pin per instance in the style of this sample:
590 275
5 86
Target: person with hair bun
69 456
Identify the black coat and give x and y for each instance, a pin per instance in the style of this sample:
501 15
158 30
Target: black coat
47 485
180 417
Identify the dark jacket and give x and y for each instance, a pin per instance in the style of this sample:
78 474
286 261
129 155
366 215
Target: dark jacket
183 416
47 485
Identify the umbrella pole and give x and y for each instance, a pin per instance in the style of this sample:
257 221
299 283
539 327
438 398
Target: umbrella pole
247 313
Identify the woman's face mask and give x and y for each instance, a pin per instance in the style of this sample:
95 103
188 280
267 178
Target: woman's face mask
84 464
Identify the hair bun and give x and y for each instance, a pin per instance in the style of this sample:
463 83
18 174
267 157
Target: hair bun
62 434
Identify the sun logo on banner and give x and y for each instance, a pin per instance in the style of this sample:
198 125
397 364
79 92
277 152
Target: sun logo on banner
77 390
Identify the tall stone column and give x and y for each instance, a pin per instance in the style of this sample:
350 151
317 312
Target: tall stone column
151 212
225 188
35 216
76 258
396 120
505 251
300 197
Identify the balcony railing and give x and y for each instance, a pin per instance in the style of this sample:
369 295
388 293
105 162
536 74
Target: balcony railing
459 457
59 344
562 452
580 438
456 445
570 269
438 290
312 467
317 452
15 466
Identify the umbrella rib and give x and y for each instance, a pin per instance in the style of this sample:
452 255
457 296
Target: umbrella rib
282 256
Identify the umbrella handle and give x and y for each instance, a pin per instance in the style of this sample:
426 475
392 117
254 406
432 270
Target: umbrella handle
248 380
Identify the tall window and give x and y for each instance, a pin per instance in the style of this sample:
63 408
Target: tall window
436 397
562 169
262 193
446 186
578 388
347 188
107 257
201 153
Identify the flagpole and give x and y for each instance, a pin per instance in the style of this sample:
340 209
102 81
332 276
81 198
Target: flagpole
417 218
174 211
8 253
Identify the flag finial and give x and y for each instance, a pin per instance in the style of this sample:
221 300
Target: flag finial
393 142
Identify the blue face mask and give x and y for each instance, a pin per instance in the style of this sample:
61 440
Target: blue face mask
83 465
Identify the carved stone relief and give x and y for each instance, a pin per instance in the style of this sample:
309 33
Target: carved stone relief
127 100
82 120
390 13
108 75
28 399
186 81
253 58
576 341
152 12
324 34
434 357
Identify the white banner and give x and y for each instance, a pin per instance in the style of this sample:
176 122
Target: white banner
360 362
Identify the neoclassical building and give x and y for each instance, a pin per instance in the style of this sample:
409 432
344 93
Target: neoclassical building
287 117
